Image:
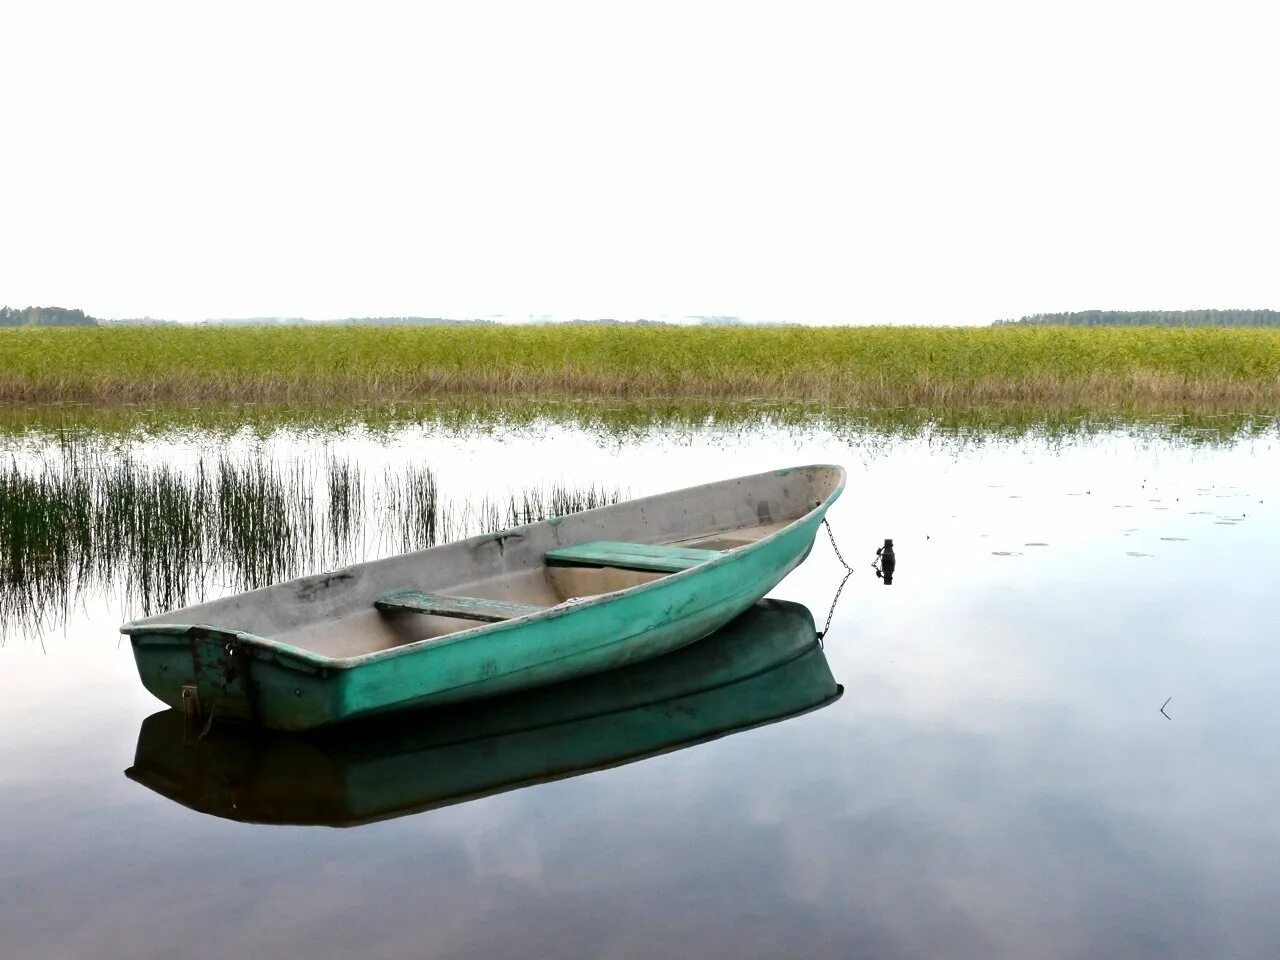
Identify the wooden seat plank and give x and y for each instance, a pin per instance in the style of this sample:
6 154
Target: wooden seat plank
464 608
630 556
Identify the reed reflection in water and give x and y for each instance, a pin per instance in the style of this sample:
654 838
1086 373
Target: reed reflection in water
87 521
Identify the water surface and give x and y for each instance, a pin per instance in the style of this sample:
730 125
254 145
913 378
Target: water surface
997 780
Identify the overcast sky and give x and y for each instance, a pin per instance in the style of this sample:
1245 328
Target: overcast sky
890 162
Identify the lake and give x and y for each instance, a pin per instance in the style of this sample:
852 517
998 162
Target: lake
1057 736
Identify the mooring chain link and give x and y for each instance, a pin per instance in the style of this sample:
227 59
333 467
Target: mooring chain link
832 537
822 637
848 572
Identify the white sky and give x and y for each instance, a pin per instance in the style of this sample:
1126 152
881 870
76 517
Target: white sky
890 162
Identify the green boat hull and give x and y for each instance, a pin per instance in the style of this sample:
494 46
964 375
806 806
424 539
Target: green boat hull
237 675
765 666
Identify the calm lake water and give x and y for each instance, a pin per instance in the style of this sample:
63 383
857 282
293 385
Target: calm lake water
1058 735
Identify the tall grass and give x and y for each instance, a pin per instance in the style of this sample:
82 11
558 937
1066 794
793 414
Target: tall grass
86 521
679 421
867 365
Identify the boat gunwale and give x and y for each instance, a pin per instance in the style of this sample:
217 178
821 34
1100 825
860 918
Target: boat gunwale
286 652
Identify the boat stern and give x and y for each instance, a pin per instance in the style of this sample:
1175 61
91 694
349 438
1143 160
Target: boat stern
211 673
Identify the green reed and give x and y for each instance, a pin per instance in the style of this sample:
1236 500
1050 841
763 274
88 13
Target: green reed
85 520
1098 368
411 506
622 420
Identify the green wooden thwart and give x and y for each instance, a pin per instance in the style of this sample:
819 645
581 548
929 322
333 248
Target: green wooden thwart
464 608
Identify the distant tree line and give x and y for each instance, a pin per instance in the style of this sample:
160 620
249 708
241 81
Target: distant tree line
411 322
62 317
44 317
139 322
1152 318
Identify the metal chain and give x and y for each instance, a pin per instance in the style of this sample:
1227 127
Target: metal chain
832 612
848 572
832 537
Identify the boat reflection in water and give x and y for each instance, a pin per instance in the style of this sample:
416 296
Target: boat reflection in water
765 666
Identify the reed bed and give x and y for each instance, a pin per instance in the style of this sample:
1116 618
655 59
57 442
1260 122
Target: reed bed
678 421
874 366
86 521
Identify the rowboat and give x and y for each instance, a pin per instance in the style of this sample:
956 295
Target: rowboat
765 666
524 607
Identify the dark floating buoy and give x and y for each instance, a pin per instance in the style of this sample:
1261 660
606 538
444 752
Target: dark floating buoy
885 562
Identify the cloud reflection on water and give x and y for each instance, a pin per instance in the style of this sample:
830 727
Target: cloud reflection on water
996 781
